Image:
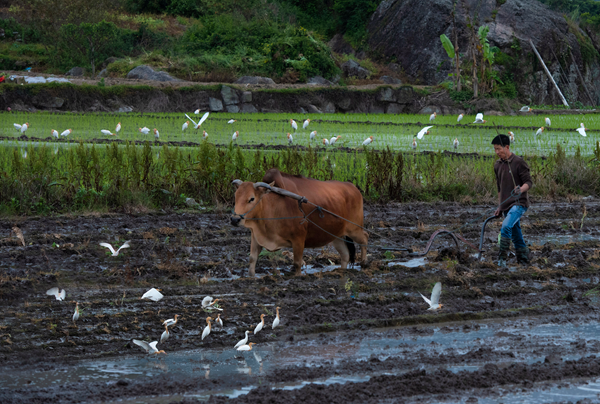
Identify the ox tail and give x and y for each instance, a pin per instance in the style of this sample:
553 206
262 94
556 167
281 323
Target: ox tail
351 249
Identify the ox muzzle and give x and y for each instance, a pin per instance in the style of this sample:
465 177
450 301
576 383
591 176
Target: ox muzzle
235 220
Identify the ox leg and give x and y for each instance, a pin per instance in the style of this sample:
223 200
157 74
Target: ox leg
255 249
361 237
298 249
342 249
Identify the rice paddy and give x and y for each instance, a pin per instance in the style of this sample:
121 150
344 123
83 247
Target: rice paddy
394 131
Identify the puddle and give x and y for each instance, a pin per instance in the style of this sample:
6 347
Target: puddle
413 263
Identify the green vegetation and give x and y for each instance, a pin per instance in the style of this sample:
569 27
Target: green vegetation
47 177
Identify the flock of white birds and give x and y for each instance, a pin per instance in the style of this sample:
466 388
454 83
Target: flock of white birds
208 304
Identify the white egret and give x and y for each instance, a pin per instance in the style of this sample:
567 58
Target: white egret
582 131
76 314
153 294
207 328
525 108
112 250
246 347
58 295
276 321
118 128
144 130
455 143
231 121
367 141
540 131
434 303
66 133
235 135
219 321
294 124
149 347
24 127
106 132
547 120
305 124
204 135
325 142
197 112
185 125
290 138
156 134
313 134
512 137
479 118
334 139
17 126
432 116
260 325
200 122
170 322
242 341
54 133
165 335
423 132
414 143
460 117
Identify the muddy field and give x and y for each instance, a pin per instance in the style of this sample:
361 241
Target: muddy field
522 334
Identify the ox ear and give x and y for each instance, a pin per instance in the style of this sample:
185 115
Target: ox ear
236 183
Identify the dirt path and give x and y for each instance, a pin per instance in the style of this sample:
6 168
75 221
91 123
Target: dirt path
498 328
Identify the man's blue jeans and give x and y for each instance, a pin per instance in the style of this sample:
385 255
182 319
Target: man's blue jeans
511 226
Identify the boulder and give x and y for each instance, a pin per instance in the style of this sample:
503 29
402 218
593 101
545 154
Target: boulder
215 105
45 101
254 80
430 109
328 107
247 96
143 72
386 94
394 108
352 69
390 80
345 103
248 108
103 73
405 95
408 32
339 45
229 95
313 110
110 60
376 109
319 81
232 108
76 71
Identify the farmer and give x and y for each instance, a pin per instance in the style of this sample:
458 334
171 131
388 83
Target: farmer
513 181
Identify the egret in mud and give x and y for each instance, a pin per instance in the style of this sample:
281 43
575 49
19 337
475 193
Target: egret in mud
235 135
54 133
260 325
434 303
112 250
414 144
455 143
58 295
547 120
24 127
76 314
231 121
368 141
540 131
334 139
423 132
246 347
219 321
156 134
197 112
204 135
511 136
479 118
118 128
208 301
207 328
325 142
460 117
525 108
153 294
276 321
432 117
17 126
305 124
313 134
171 322
294 124
144 130
165 335
200 122
242 341
185 125
290 138
66 133
150 348
107 132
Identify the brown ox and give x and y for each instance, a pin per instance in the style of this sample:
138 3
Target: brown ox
254 204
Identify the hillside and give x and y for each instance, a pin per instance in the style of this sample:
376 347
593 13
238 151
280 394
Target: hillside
292 41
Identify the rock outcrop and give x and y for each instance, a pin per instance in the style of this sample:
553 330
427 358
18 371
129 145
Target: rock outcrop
254 80
144 72
408 33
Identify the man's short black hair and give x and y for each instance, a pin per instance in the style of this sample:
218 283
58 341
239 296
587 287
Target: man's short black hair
501 140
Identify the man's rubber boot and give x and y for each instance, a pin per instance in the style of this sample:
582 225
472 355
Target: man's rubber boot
523 256
503 254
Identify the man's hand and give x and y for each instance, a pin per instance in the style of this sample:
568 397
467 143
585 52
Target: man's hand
497 212
517 190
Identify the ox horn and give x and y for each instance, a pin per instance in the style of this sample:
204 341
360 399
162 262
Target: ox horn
262 184
237 183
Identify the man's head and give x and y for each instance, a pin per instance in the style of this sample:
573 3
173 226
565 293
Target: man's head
502 146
